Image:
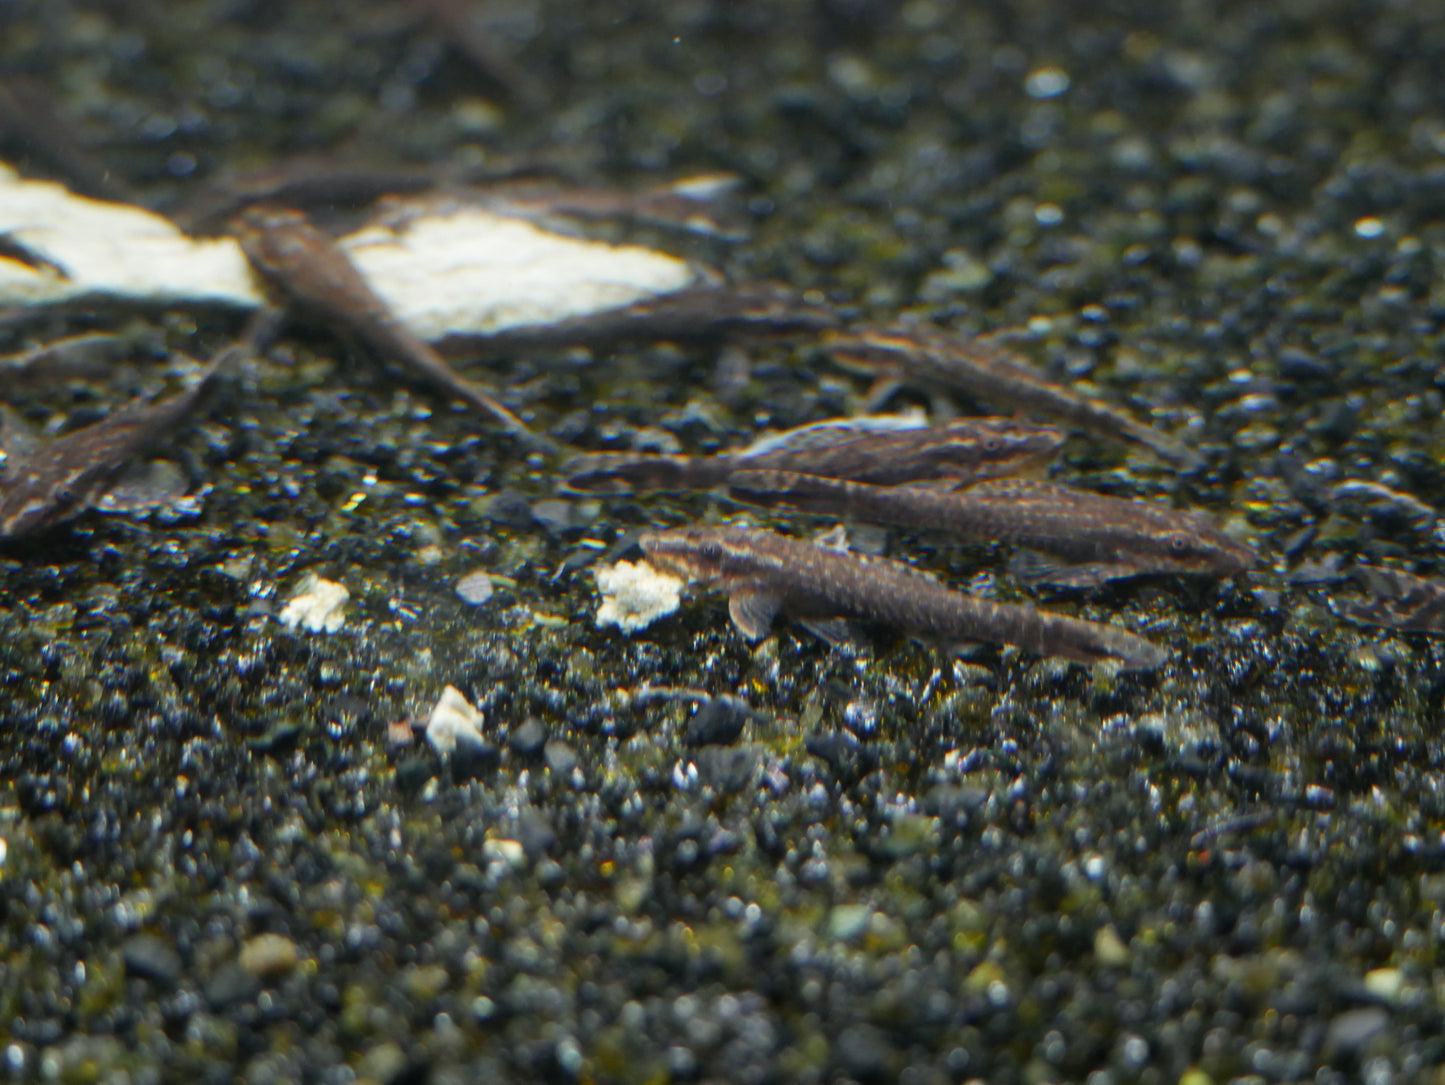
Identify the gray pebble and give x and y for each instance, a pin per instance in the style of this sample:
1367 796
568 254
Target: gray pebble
151 958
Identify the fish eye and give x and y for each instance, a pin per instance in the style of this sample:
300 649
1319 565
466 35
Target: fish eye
1179 543
992 444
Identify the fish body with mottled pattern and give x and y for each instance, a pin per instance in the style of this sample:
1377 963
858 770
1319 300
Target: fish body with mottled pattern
986 372
58 479
869 449
1100 538
764 573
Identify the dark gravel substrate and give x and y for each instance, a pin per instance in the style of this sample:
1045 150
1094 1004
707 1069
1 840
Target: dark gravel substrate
888 864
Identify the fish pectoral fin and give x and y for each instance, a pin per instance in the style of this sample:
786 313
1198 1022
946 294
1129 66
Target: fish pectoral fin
143 488
835 632
835 538
753 611
1031 567
880 392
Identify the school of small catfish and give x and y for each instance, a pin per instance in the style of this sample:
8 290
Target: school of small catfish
950 480
969 481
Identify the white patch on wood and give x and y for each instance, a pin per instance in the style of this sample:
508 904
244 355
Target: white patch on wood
445 269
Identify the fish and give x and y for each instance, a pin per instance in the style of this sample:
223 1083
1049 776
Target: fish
878 449
699 204
987 372
481 48
31 125
1098 538
1397 601
77 356
313 273
47 483
765 573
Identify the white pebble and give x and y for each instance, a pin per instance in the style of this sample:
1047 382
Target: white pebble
452 718
634 595
319 606
475 587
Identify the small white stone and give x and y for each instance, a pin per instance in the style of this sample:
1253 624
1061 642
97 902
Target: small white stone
319 606
475 588
1385 983
634 595
508 851
452 718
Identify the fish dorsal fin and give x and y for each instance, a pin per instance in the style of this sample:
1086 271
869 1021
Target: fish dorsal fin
753 611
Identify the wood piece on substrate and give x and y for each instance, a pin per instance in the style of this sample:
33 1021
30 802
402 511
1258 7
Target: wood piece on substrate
698 314
29 123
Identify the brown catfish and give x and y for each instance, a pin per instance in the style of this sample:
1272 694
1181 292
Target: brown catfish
1100 538
985 371
59 479
311 271
764 573
881 449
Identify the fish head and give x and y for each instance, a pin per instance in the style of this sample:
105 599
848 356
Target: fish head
1004 447
267 216
691 553
1205 549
